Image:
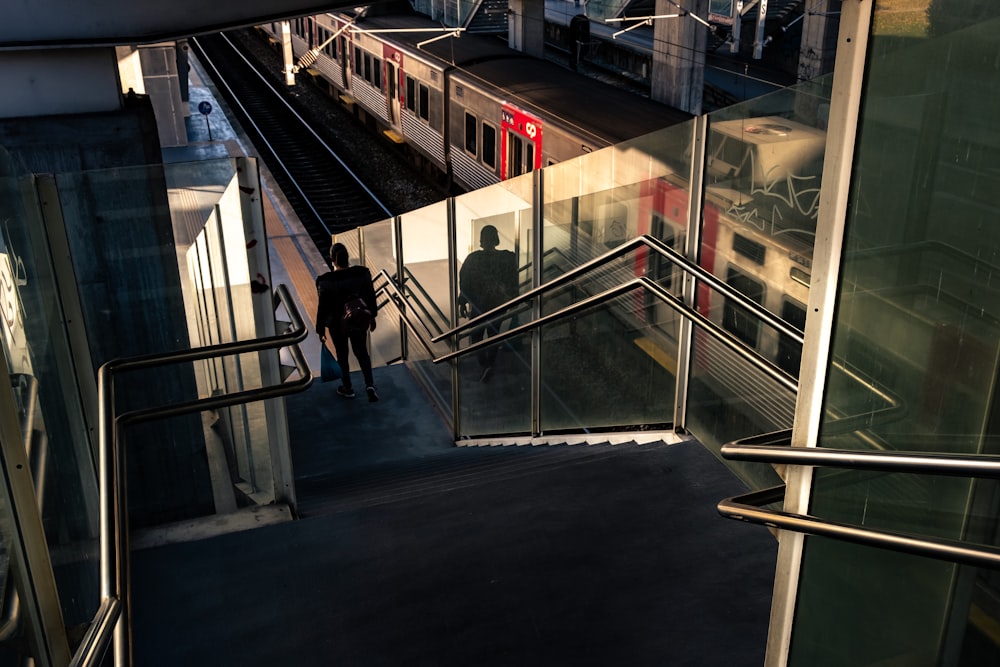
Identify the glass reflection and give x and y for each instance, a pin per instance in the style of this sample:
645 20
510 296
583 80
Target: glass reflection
493 246
56 438
918 325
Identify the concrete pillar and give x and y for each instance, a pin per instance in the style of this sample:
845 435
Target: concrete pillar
162 83
526 26
819 39
287 55
678 76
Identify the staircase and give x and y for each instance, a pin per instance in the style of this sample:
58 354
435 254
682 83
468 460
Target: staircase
489 17
481 465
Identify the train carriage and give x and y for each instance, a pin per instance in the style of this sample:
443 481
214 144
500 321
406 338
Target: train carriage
333 61
471 110
423 108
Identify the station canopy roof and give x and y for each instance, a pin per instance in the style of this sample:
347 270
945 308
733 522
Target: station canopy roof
65 23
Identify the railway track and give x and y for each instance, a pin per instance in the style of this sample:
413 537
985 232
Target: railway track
325 193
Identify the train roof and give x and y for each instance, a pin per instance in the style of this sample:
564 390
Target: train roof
546 88
455 51
542 87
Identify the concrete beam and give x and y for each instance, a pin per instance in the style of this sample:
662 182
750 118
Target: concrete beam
50 83
59 23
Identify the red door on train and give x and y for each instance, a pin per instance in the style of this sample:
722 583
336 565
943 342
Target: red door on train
521 138
663 214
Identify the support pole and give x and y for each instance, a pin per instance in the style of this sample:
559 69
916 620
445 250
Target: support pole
287 57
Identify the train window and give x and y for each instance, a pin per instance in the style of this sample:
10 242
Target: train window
425 102
790 352
411 94
726 155
750 249
799 276
529 156
735 318
470 133
377 73
489 146
359 62
331 48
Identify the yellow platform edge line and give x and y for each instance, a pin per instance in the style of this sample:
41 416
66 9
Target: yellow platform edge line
659 355
394 136
302 277
988 625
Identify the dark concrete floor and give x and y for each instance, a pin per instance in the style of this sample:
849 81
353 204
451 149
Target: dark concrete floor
413 552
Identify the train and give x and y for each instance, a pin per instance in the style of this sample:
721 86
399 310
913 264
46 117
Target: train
468 109
472 113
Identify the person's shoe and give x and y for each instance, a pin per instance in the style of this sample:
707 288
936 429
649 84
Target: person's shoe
487 372
346 392
372 394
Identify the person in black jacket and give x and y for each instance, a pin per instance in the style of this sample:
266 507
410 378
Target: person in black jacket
488 278
336 289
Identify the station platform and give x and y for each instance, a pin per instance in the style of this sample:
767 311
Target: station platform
411 551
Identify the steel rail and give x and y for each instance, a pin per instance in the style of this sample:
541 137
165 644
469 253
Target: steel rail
305 124
925 463
775 448
670 300
748 508
391 286
644 241
642 282
112 618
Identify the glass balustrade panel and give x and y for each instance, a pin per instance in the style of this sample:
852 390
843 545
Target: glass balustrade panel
425 285
597 372
917 326
56 444
494 259
762 174
167 255
592 206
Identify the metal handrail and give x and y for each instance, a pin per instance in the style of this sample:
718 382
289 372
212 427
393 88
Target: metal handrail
410 280
748 507
655 245
717 332
642 282
111 619
924 463
398 297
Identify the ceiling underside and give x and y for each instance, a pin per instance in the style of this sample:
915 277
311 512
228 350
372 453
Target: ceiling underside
29 24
